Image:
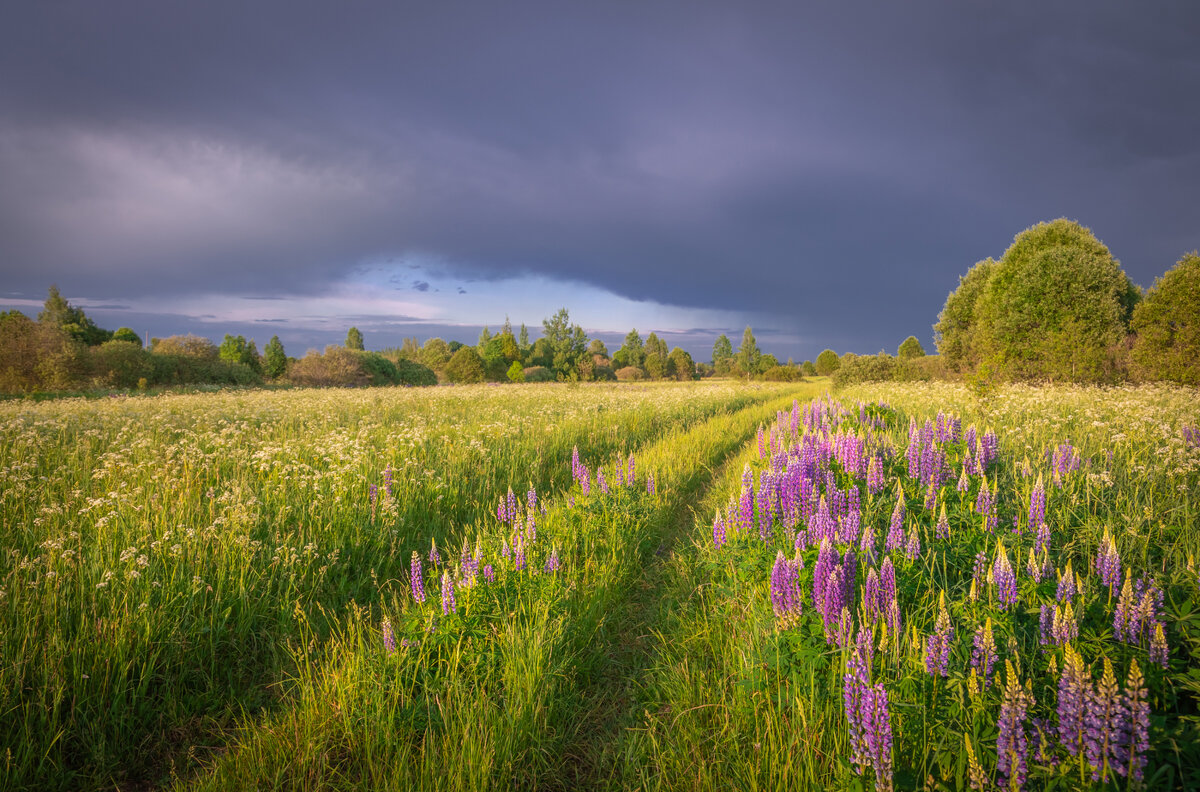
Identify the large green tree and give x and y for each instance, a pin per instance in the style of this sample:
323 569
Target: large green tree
682 365
568 344
57 312
1057 305
631 353
954 332
354 339
274 358
722 356
465 366
1166 325
748 352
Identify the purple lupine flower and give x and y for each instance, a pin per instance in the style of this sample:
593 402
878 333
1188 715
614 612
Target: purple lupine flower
501 511
1005 579
937 645
1105 725
552 563
827 559
585 481
1191 436
601 482
489 573
964 480
510 505
718 531
765 512
1125 618
1074 686
1046 624
416 578
435 558
619 480
1012 744
632 477
895 536
762 443
832 605
854 684
984 501
575 462
1036 568
1138 711
650 483
1037 504
387 480
930 497
1108 563
875 475
979 574
873 604
389 637
1158 646
1043 538
1066 628
448 604
866 544
372 494
912 548
531 500
877 729
1066 585
983 653
746 511
1065 460
785 590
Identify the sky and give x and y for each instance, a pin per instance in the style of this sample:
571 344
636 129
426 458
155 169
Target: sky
820 171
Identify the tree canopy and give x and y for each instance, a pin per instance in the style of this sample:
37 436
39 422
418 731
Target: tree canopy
1166 326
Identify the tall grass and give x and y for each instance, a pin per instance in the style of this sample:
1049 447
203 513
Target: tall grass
164 558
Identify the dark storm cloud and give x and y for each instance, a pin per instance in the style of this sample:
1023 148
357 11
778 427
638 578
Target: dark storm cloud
830 169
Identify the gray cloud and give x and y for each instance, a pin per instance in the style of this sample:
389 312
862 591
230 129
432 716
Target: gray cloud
830 170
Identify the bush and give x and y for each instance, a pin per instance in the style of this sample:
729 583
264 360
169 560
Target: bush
954 332
186 345
865 368
538 374
515 372
604 374
465 366
827 363
119 364
910 348
630 374
338 366
782 374
1167 326
410 372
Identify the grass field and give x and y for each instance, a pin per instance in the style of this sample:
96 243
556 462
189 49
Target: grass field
333 590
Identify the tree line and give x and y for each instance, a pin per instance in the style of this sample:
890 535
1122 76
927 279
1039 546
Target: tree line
65 350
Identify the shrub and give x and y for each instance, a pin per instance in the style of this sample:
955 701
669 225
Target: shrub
782 374
827 363
1167 326
119 364
186 345
910 348
338 366
515 372
410 372
538 374
865 368
630 374
954 332
604 374
465 366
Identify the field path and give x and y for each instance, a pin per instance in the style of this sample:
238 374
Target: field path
624 647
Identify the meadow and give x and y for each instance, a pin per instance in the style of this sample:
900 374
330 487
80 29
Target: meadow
669 586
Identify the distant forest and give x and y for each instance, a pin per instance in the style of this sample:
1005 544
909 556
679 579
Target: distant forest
1055 307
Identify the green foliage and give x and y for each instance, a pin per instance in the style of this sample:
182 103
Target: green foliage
274 358
748 353
865 368
59 313
681 365
337 367
808 369
126 334
236 350
656 366
542 354
186 346
910 348
630 374
567 343
955 330
538 374
354 339
120 364
597 347
766 361
827 363
1056 306
515 372
37 356
465 366
722 354
435 354
782 374
1166 325
410 372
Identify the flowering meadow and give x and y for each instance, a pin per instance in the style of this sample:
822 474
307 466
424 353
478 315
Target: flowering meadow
693 586
176 569
908 586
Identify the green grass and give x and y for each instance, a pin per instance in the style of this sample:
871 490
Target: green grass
194 589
